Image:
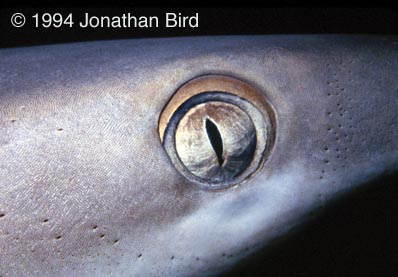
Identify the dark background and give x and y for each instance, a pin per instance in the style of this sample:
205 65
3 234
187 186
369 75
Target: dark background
212 21
354 237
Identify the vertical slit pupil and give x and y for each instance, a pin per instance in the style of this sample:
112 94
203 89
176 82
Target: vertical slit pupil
215 139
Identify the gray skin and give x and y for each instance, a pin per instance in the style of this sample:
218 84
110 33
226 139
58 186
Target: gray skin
86 187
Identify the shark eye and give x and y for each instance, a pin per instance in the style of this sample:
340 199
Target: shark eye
217 131
215 141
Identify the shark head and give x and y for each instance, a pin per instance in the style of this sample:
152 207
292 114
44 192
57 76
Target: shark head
87 187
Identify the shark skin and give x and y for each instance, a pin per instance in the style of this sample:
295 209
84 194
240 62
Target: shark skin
86 188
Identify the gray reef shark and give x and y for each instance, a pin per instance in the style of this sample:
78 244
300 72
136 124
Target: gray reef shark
87 188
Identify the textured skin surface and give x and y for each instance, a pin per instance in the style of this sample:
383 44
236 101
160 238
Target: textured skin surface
87 189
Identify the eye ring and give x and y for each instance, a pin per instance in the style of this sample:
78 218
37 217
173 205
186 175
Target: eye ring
198 93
